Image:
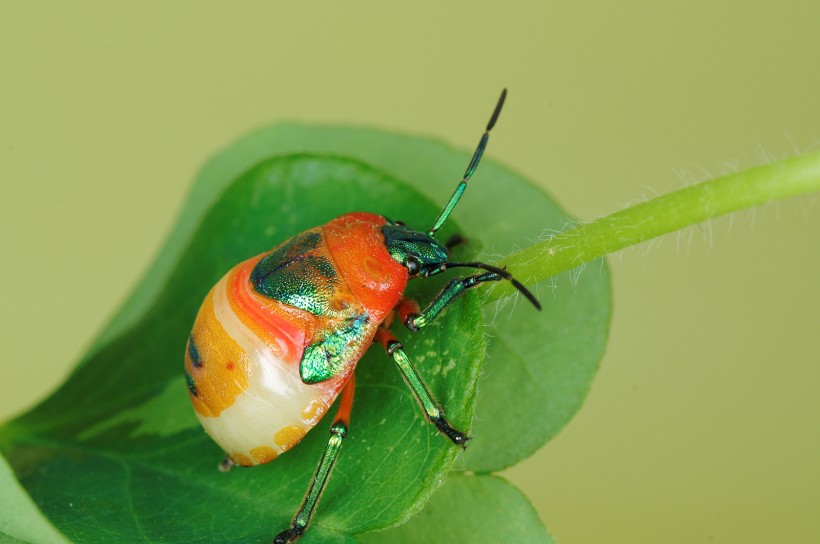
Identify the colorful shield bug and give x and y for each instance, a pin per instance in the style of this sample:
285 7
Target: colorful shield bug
278 337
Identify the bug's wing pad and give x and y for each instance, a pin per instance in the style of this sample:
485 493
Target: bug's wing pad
335 349
300 274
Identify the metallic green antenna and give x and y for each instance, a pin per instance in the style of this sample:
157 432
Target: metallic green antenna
479 151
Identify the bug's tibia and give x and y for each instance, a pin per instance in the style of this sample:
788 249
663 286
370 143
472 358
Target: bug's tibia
453 290
428 405
338 432
300 522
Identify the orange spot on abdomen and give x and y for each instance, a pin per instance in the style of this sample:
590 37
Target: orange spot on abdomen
289 436
313 411
241 459
263 454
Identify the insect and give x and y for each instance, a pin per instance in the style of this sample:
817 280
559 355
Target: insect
277 339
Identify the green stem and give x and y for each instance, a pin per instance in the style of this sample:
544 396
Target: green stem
667 213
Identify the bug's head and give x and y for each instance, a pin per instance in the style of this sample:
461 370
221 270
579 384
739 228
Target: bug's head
425 256
417 251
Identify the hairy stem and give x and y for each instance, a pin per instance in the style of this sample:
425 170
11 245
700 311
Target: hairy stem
667 213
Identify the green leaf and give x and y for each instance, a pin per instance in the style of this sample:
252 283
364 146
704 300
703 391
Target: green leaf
474 509
20 520
119 439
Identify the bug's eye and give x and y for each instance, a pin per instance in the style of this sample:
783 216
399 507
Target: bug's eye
401 223
413 266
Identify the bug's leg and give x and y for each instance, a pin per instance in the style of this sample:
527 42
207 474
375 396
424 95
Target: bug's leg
226 464
428 404
404 309
456 287
338 431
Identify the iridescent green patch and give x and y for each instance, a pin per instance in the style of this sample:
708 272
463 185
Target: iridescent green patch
295 275
334 350
189 380
193 353
403 242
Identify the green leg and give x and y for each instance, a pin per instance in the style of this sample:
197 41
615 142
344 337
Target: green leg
337 434
428 404
456 287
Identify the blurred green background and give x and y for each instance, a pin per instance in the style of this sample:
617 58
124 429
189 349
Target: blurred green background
704 422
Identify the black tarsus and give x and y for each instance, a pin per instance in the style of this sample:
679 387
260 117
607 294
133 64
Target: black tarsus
457 437
289 536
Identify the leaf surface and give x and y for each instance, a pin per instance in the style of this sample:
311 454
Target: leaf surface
476 509
20 520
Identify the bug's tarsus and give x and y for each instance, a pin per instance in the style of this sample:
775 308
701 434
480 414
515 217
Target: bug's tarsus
458 438
471 167
289 536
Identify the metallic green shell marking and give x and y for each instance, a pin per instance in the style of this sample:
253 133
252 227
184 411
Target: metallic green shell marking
330 355
295 275
189 381
193 353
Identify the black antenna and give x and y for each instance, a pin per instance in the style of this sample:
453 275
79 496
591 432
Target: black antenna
501 272
479 151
